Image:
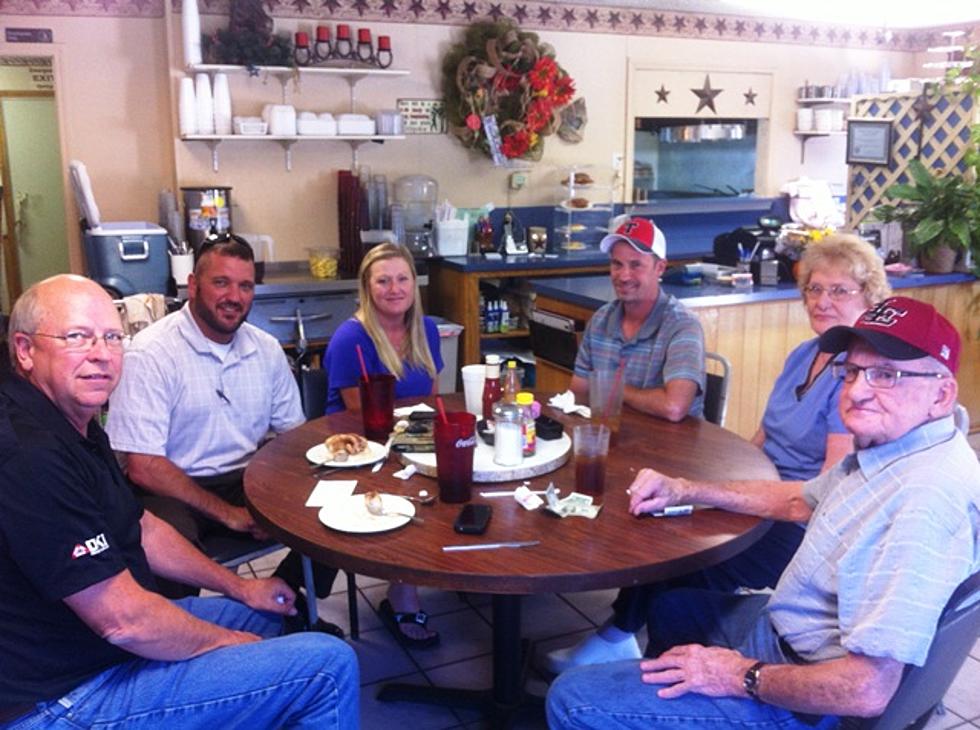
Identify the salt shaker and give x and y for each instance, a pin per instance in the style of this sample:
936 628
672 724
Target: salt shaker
507 447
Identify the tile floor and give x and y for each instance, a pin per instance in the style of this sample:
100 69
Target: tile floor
463 656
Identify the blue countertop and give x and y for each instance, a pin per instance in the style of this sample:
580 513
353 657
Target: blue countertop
594 291
587 257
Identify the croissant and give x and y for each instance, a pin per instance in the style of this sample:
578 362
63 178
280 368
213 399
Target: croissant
342 445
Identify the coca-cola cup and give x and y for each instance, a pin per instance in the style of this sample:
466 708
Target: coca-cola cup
378 406
455 439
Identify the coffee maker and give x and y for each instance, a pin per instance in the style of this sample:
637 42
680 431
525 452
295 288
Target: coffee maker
417 195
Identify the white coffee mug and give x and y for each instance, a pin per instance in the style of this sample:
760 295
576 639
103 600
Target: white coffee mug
181 266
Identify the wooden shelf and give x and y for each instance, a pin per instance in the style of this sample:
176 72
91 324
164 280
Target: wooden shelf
353 73
823 100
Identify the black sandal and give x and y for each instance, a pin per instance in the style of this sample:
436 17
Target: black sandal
393 620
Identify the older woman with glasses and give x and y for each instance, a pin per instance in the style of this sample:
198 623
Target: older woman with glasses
801 432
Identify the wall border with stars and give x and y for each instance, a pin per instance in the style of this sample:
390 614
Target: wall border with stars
553 15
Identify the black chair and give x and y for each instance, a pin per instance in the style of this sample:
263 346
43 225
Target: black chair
716 389
921 690
313 396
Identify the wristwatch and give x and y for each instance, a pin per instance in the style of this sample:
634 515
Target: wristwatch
752 679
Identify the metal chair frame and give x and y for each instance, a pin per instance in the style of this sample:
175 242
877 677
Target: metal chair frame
716 389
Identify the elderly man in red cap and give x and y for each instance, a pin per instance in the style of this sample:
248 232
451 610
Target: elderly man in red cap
892 530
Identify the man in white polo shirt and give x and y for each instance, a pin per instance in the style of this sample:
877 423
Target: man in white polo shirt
892 530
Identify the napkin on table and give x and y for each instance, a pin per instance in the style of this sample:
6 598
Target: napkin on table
565 402
406 411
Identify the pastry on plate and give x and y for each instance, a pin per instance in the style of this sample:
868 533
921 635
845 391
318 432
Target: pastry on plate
343 445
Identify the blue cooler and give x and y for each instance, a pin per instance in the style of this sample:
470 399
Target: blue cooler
129 257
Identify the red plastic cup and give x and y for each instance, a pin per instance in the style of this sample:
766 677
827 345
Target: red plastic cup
455 442
302 39
322 33
378 406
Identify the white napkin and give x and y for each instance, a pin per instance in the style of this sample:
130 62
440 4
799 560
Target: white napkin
565 402
327 491
526 499
406 411
407 473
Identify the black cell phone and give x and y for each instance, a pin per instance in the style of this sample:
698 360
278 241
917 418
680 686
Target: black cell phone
473 519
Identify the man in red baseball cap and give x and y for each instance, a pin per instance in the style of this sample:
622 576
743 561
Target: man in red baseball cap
657 341
891 531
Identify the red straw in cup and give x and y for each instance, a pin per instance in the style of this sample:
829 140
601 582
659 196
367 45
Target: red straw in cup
442 410
360 357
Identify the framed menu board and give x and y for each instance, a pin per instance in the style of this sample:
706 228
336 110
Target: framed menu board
869 141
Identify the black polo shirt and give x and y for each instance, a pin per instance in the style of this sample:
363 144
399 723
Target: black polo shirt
67 521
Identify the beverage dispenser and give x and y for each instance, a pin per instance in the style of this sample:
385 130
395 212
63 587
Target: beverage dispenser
418 194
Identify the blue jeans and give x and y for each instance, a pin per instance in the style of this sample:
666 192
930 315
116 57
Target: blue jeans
607 696
302 680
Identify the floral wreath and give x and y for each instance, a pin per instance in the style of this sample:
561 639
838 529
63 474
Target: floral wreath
503 73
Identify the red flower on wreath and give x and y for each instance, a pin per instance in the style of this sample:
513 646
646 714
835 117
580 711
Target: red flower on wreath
473 122
564 90
543 73
539 114
516 144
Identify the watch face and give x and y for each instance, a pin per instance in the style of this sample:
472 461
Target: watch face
751 680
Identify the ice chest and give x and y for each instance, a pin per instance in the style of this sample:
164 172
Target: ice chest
129 257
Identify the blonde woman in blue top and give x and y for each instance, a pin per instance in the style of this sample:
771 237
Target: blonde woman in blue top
395 338
801 432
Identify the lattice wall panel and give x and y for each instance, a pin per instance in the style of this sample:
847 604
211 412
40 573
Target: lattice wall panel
940 143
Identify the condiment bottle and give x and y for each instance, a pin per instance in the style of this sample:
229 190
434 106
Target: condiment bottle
529 439
507 447
512 383
491 386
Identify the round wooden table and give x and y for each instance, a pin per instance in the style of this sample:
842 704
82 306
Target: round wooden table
574 554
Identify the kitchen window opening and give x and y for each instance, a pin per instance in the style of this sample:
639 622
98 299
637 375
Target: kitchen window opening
694 158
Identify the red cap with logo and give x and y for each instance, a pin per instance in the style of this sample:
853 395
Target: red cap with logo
901 329
641 234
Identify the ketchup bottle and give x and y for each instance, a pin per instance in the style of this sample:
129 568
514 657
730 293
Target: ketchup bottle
491 387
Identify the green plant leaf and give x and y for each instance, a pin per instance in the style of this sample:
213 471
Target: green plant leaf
926 231
961 231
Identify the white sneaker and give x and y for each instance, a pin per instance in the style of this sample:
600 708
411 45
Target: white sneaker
593 649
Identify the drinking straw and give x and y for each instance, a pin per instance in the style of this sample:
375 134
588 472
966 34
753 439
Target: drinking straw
360 356
442 410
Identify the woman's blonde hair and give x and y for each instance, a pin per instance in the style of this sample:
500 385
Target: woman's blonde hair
415 350
853 256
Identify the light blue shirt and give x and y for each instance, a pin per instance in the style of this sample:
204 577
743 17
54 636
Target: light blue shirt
797 426
895 529
177 398
669 346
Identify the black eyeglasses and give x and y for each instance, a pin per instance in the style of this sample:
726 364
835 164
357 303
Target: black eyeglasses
878 377
80 341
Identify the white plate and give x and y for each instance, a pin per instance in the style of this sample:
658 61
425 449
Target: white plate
350 514
320 454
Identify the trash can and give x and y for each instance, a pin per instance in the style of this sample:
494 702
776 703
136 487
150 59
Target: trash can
449 333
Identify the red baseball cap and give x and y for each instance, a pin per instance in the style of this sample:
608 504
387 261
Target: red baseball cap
641 234
901 329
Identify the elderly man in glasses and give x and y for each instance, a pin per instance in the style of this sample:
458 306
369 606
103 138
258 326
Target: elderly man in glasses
85 639
892 530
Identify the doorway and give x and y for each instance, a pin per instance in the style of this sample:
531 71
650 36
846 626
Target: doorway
34 233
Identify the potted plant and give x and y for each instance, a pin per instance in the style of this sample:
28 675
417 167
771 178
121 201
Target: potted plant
938 214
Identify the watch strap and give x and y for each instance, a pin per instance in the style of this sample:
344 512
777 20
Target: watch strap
752 678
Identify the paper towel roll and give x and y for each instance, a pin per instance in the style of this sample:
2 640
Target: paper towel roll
222 105
190 20
187 107
204 104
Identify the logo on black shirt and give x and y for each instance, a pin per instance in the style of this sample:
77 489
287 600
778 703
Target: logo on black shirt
92 546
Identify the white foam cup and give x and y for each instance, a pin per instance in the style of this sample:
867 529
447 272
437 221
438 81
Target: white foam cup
473 377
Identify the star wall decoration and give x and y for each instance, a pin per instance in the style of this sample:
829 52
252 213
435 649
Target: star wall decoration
706 95
750 97
662 94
